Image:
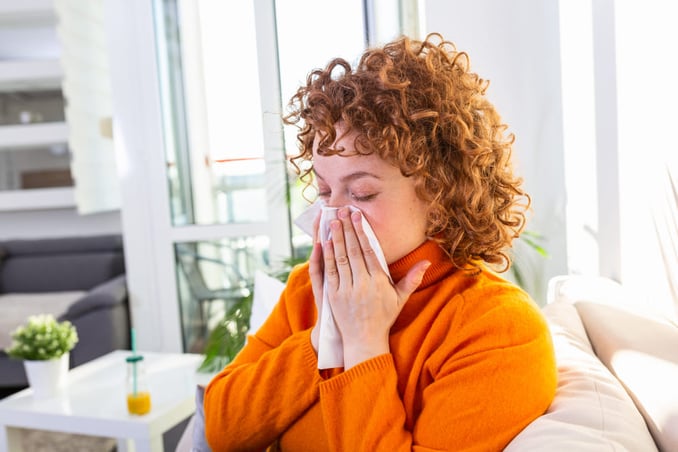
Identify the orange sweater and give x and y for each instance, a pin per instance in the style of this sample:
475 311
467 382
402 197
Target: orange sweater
471 364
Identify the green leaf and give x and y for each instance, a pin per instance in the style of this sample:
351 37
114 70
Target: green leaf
229 336
42 338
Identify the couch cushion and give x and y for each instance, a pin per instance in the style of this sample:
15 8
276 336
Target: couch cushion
60 272
64 245
642 352
3 254
49 265
591 410
267 291
16 308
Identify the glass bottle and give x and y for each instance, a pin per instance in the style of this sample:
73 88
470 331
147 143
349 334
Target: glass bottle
138 394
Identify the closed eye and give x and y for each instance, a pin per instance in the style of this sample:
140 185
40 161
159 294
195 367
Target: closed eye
363 198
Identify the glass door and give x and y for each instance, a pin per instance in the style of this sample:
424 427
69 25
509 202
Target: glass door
225 161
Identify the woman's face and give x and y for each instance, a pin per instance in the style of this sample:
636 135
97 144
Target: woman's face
386 198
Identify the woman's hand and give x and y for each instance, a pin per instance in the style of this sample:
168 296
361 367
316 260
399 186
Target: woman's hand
364 302
316 274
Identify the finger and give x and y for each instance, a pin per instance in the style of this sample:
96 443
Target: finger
352 245
316 227
339 249
330 265
369 255
411 281
316 265
315 271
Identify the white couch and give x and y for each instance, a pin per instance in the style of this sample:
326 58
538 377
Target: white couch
617 369
617 372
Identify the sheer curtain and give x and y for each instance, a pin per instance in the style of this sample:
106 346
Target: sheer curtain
665 217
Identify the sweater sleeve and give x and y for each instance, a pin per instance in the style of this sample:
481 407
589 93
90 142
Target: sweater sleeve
489 378
362 409
272 381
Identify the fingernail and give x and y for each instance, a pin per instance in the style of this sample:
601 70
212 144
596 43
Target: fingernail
335 225
343 212
355 216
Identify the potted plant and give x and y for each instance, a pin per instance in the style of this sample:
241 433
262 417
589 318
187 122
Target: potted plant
44 345
230 334
525 270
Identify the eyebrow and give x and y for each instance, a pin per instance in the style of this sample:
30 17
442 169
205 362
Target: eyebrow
351 177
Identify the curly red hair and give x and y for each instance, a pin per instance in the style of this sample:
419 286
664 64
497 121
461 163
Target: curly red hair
417 105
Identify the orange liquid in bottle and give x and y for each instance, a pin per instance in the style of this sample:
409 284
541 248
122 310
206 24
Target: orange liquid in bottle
139 403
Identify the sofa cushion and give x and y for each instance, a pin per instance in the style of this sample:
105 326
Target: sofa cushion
60 264
61 245
16 308
3 254
642 351
60 272
591 410
267 291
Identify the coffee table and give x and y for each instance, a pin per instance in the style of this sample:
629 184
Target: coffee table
94 402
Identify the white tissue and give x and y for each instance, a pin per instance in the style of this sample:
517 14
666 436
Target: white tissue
330 346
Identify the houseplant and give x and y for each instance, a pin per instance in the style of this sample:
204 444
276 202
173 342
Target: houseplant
527 256
44 345
230 334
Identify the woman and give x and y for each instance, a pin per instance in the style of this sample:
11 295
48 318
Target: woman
439 353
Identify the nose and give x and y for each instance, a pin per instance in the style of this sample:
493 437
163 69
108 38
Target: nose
337 201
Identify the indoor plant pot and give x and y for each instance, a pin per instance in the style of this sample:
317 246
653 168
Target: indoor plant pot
44 345
48 376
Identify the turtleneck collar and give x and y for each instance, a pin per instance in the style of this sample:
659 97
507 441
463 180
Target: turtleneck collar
441 265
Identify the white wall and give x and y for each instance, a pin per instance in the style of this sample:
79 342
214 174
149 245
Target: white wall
515 45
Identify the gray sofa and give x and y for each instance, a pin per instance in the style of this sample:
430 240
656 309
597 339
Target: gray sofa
80 279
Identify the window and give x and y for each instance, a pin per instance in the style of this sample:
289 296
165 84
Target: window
225 150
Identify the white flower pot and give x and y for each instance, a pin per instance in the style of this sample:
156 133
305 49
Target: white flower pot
47 378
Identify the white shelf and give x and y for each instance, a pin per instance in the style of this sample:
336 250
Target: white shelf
37 199
31 64
20 136
30 75
27 12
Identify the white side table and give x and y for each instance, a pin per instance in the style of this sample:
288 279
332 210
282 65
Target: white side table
94 402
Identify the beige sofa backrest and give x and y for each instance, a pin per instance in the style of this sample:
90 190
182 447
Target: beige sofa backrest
642 352
591 410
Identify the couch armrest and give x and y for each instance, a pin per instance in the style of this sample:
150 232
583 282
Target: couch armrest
106 295
591 412
102 320
574 288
